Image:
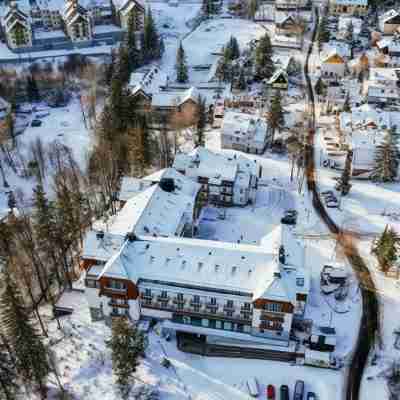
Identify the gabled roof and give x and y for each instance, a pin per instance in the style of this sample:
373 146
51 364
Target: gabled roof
279 73
387 16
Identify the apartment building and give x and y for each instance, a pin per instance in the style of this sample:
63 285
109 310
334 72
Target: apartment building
244 132
225 179
349 7
17 27
383 85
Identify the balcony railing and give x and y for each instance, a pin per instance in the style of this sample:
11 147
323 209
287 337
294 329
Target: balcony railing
163 298
178 301
113 303
202 313
212 305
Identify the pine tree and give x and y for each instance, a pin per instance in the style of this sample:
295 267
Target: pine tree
386 248
346 104
386 160
32 90
201 121
124 64
323 32
209 8
320 87
127 345
264 63
181 66
30 353
150 38
44 225
344 184
253 6
232 51
8 375
131 45
242 84
275 115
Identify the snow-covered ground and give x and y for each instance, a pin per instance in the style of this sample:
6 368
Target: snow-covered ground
63 125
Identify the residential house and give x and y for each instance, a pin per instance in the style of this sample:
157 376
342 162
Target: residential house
226 180
78 22
287 24
279 80
350 7
179 107
244 132
333 65
344 22
389 22
364 128
292 4
383 85
126 9
17 27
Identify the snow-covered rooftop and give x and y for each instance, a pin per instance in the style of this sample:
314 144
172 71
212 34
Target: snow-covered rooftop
233 267
244 125
218 166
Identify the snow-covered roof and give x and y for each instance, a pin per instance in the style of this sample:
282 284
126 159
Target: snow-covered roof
173 99
282 60
351 2
244 125
130 187
101 247
384 74
336 47
124 4
388 15
4 105
344 22
279 72
233 267
226 163
154 211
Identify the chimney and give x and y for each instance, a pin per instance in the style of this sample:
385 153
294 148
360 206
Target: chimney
167 184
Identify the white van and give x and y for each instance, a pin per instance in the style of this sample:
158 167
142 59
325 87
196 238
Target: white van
253 387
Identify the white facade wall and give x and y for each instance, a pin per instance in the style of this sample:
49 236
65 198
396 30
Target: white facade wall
331 70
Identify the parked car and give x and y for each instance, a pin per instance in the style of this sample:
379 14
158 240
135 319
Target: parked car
270 392
36 123
288 220
284 392
253 387
311 396
299 391
332 203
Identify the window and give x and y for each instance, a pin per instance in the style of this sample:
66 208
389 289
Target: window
213 301
117 285
273 307
228 326
115 310
246 306
91 283
147 292
164 294
229 304
196 299
300 281
179 296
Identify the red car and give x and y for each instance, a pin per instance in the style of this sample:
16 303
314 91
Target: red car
270 392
